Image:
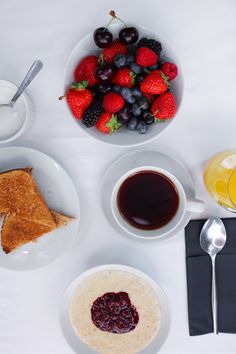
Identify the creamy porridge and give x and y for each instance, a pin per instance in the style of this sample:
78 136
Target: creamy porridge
143 300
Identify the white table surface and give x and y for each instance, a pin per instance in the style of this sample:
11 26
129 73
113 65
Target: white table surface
203 33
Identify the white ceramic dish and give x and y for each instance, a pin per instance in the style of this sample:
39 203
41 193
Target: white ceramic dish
24 104
59 193
125 138
75 342
135 160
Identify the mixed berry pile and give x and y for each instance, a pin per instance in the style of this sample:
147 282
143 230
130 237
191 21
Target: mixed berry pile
113 312
126 85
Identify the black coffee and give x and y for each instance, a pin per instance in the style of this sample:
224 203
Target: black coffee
147 200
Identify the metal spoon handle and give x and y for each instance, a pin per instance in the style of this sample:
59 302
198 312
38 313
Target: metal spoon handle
214 297
33 71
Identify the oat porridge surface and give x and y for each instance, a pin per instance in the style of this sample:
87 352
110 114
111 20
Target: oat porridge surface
141 295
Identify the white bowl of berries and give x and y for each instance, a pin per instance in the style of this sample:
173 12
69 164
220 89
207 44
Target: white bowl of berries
123 84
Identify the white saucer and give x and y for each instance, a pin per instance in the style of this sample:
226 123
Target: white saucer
75 342
144 158
60 194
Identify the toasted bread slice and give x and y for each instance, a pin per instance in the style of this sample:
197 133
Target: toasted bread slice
20 196
60 219
17 231
27 215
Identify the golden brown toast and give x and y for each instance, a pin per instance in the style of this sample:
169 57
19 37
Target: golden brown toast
27 215
17 231
19 195
60 219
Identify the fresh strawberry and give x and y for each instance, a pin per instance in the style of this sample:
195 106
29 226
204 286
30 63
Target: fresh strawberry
124 77
170 70
79 98
146 57
108 123
164 107
113 102
115 48
85 70
155 83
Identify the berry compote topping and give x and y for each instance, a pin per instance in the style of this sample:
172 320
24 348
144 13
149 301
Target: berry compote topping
113 312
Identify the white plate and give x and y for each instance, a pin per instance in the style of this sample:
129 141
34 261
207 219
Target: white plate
75 342
59 193
138 159
124 137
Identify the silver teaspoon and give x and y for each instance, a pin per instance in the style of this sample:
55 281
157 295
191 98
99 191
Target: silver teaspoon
33 71
212 240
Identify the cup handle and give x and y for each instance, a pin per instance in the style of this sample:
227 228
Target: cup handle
195 205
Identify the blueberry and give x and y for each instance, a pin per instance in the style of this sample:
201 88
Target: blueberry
131 100
132 124
136 92
136 68
130 58
148 117
136 109
133 50
139 78
126 93
102 88
116 88
123 116
143 103
120 60
142 127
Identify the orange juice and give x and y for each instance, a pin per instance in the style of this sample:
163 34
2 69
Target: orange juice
220 178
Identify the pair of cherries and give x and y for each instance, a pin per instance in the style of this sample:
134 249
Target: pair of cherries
103 37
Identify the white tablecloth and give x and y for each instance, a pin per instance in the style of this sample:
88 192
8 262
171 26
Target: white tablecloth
203 34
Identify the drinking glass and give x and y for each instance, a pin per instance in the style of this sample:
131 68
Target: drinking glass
220 178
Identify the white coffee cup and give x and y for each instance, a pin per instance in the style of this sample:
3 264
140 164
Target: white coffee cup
185 204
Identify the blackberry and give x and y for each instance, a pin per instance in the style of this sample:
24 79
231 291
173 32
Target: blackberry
92 114
151 44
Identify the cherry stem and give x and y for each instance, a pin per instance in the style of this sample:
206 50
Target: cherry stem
154 114
109 23
113 14
121 21
101 61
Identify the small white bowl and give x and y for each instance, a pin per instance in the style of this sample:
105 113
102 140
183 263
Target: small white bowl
7 91
124 137
76 343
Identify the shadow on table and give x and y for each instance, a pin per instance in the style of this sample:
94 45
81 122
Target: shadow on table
129 256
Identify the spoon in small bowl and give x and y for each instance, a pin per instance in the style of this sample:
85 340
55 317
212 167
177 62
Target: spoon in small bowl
212 240
33 71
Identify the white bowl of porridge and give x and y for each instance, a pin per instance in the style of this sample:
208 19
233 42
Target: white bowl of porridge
115 309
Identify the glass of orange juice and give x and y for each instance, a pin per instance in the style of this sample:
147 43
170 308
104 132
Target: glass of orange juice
220 178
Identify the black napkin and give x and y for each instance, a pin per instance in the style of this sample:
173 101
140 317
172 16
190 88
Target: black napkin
198 265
